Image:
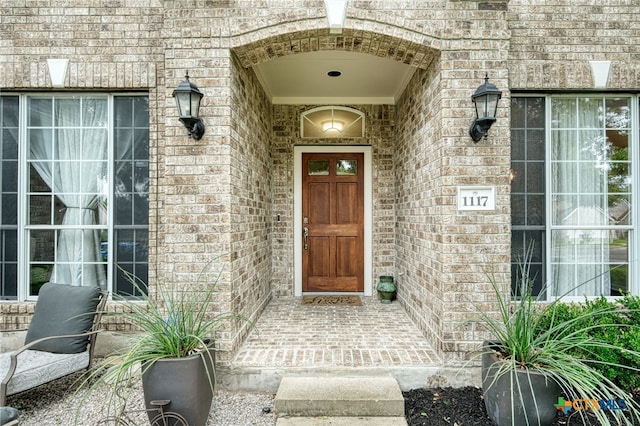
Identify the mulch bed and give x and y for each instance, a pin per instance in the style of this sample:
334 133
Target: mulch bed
464 407
445 406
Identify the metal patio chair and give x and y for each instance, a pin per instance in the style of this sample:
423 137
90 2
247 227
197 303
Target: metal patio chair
60 339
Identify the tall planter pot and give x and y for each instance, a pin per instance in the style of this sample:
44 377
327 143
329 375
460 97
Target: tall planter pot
183 381
535 405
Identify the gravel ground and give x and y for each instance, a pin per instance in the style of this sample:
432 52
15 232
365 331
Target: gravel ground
58 404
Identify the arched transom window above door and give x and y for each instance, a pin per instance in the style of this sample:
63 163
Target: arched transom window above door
332 122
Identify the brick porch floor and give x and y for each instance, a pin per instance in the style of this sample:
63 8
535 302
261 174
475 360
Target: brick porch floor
372 335
369 339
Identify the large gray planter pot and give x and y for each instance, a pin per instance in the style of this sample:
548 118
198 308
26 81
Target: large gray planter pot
184 381
535 405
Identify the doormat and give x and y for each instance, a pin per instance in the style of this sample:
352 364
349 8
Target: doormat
332 300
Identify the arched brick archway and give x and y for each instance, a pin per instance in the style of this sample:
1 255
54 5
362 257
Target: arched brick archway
417 54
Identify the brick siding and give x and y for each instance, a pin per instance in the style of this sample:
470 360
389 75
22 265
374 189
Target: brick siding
218 197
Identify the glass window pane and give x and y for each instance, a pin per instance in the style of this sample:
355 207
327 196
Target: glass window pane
519 177
535 177
40 112
131 192
67 112
140 209
318 167
563 113
535 145
618 113
141 108
563 145
518 210
40 143
518 112
536 210
124 208
535 113
141 144
592 145
42 245
40 274
590 113
123 111
518 144
620 209
9 142
9 107
8 263
9 209
124 141
124 177
94 112
9 176
40 210
347 167
564 177
617 139
590 262
528 246
562 207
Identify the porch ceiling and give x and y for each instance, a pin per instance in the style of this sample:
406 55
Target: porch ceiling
302 78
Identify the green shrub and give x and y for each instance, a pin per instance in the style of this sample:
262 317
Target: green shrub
616 323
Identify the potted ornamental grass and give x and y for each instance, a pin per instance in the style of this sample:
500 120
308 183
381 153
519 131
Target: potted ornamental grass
532 360
173 354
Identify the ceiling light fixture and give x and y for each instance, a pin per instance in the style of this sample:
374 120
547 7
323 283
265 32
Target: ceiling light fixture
332 126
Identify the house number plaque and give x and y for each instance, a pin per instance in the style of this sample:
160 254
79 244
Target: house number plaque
476 198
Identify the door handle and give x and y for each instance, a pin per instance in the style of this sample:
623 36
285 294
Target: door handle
305 235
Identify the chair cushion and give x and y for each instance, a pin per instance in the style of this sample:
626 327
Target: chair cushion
63 309
35 368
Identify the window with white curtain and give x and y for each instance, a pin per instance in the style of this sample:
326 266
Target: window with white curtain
572 192
80 215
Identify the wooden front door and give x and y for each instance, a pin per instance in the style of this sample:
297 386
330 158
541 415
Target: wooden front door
333 222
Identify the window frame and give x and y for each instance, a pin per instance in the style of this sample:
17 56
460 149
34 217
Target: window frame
24 260
307 119
634 161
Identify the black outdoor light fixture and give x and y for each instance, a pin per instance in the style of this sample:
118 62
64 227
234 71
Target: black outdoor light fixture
188 98
485 99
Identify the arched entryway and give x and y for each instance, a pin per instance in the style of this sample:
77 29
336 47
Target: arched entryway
274 137
292 69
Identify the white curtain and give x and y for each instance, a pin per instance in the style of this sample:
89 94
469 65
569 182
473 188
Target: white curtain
580 150
74 167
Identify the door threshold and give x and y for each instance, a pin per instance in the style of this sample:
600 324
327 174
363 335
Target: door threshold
333 293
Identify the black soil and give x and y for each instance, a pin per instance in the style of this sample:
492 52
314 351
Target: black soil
465 407
445 406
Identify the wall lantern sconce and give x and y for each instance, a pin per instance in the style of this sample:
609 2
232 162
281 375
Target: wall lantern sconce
188 98
485 100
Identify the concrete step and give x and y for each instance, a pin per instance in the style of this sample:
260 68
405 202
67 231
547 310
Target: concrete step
341 421
331 396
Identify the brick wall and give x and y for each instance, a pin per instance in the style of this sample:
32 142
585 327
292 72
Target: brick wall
217 198
251 199
553 42
443 253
